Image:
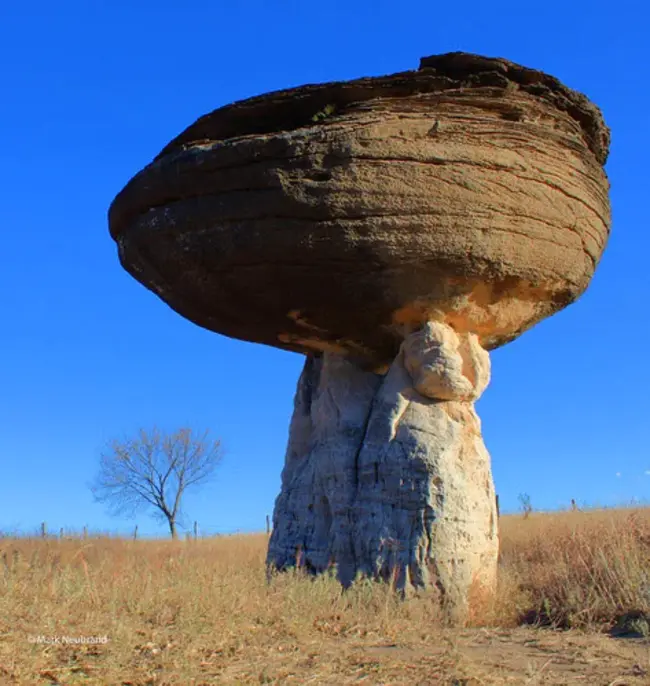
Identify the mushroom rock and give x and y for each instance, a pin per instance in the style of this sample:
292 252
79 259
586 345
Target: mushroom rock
393 229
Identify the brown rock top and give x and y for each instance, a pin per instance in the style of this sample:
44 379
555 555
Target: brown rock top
342 216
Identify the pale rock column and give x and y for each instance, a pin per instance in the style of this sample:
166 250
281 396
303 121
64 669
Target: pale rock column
387 475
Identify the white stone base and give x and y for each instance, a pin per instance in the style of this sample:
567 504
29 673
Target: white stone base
388 476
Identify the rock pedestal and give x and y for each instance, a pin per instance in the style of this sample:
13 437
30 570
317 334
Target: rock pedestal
387 475
393 229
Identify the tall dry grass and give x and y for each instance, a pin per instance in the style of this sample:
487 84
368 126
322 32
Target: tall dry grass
205 607
578 569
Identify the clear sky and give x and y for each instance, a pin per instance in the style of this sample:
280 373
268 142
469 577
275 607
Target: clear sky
93 89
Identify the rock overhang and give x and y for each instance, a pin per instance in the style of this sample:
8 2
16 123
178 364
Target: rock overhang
338 217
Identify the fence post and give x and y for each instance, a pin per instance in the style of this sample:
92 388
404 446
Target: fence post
43 530
268 525
196 530
498 511
85 531
135 533
61 533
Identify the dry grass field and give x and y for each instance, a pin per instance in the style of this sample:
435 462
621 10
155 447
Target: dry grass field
202 612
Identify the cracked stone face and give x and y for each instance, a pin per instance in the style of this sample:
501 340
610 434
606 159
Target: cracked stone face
388 476
392 229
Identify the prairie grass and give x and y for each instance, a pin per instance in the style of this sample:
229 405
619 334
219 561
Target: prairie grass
195 612
578 569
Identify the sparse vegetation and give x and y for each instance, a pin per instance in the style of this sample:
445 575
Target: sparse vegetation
201 612
323 114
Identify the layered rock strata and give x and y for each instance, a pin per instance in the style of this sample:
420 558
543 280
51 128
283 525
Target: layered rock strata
338 217
387 475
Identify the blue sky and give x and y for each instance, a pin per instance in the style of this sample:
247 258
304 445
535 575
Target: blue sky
92 90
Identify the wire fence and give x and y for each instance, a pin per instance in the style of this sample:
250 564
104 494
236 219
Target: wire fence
195 531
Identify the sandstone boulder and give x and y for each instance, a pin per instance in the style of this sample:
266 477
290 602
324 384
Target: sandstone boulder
340 217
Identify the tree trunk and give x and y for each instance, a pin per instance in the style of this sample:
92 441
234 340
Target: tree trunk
172 526
388 476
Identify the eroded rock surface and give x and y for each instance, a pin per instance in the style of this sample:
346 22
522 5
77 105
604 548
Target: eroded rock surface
393 229
388 475
340 217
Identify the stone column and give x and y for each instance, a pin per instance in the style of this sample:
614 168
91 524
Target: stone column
387 475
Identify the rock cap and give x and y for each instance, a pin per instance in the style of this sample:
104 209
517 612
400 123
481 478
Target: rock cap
342 216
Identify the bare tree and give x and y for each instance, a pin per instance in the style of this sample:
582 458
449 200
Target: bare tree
525 504
153 470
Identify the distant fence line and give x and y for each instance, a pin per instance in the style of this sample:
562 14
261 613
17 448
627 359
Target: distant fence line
195 531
